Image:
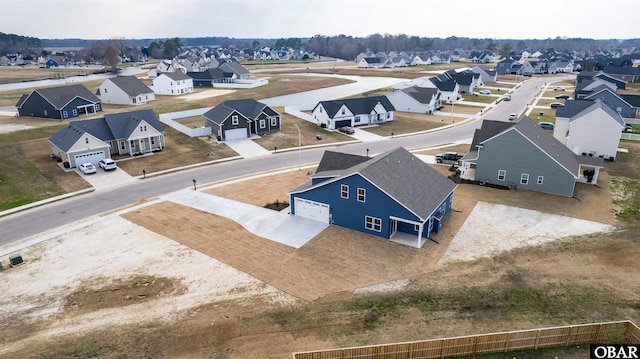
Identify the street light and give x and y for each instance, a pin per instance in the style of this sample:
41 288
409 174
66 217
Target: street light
451 111
299 147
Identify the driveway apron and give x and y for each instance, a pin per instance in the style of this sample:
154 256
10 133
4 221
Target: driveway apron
276 226
247 148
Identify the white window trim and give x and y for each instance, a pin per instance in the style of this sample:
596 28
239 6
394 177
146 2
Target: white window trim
540 179
524 178
274 121
234 120
363 194
344 191
263 123
371 223
503 174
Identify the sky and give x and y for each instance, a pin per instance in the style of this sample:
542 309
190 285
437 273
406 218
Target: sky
496 19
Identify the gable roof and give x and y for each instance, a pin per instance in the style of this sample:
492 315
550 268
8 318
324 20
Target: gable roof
107 128
398 173
131 85
548 144
207 75
488 129
248 107
633 100
361 105
61 95
584 106
421 94
176 75
448 86
338 161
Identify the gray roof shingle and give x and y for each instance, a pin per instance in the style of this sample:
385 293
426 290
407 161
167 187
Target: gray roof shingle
131 85
61 95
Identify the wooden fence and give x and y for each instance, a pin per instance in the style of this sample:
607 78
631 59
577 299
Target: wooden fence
613 332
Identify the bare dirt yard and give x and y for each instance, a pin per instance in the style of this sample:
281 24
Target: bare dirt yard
161 280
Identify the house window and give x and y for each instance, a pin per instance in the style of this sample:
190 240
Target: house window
65 114
97 107
343 111
502 174
540 179
357 119
344 191
153 141
416 227
388 115
263 123
123 145
134 100
234 119
141 128
524 178
362 194
45 113
86 140
75 112
373 223
105 90
274 121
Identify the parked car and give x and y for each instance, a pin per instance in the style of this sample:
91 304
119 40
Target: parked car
507 97
448 156
513 116
556 104
558 88
107 164
547 126
564 96
348 130
87 168
485 92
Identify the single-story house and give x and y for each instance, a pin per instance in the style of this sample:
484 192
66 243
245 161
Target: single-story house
125 90
415 99
589 128
394 195
60 102
353 112
172 83
126 133
237 119
523 155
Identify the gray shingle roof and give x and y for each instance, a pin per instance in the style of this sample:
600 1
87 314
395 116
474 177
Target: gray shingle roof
176 75
361 105
111 127
61 95
421 94
131 85
249 108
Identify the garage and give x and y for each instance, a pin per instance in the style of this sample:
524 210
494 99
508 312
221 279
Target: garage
235 134
311 210
92 157
342 123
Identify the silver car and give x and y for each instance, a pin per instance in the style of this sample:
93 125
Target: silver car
107 164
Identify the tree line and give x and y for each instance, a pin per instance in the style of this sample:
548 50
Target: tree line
16 44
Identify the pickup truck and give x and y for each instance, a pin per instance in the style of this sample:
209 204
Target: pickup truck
448 156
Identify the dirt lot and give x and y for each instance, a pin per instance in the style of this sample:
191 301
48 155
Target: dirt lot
177 282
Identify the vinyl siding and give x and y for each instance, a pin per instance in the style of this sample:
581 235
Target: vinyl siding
517 155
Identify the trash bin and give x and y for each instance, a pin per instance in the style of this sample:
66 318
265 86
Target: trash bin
66 164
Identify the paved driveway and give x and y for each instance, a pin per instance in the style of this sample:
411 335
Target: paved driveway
276 226
247 148
106 179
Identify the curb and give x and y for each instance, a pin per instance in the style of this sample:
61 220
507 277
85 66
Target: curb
45 201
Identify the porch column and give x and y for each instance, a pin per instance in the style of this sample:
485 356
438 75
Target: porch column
421 227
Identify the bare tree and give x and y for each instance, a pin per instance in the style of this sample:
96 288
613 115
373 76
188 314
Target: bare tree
111 57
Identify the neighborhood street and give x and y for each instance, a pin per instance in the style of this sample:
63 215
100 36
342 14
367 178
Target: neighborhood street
37 220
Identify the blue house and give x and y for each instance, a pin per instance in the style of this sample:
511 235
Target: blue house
51 63
394 195
60 103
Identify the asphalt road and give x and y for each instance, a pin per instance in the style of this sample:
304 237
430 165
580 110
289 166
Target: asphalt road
27 223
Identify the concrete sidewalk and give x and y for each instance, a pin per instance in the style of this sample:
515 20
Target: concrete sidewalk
276 226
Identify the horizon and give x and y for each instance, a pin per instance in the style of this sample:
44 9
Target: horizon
275 19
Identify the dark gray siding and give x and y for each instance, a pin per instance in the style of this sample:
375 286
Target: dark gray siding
517 155
36 106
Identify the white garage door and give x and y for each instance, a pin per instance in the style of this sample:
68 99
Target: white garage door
235 134
312 210
92 157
